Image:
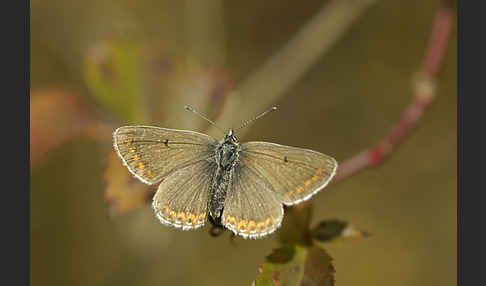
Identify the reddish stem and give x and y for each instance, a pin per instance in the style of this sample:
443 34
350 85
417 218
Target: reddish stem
424 94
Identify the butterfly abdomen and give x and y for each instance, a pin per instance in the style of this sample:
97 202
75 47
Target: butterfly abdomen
227 155
218 193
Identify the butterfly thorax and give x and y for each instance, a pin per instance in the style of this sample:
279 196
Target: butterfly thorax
227 157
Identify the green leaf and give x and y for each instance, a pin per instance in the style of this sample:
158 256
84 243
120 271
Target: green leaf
294 265
114 75
333 230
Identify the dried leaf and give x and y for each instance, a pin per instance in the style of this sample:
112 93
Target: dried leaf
296 265
56 116
113 73
333 230
124 192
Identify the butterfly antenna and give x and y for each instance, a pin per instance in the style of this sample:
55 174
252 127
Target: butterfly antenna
189 108
248 122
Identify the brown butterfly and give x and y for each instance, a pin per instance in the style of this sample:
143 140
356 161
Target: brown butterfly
242 186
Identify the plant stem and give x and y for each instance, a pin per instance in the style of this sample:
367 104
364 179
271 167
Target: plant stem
424 85
263 87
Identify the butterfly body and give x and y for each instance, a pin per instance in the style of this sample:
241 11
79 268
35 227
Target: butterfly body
227 158
243 187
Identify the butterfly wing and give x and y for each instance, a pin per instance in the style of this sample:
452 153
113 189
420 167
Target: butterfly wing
152 153
251 208
182 198
295 174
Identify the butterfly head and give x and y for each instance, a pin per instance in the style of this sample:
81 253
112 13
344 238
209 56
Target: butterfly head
230 137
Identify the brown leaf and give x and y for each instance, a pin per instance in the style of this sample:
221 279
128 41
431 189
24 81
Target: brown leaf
319 270
123 192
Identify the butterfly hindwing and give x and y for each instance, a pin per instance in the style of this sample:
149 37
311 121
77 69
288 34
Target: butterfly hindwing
151 153
251 208
295 174
182 198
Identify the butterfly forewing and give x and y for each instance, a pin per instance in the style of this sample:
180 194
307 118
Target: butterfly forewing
182 198
151 153
251 207
295 174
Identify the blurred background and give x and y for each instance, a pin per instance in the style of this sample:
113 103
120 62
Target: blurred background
341 73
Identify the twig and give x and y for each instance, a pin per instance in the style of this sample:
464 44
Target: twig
424 93
283 69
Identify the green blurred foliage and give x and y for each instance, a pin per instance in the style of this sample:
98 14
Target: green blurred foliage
332 230
113 76
345 103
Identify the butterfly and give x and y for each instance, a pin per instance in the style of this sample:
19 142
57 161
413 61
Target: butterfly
241 186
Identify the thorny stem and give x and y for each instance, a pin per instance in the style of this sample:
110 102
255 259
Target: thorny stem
424 85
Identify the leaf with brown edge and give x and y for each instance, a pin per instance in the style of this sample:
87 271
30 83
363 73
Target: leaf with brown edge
57 116
334 230
296 265
123 192
319 270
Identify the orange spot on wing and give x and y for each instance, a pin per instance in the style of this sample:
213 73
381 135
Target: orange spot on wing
267 222
231 220
202 216
251 225
260 225
181 216
192 218
241 225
